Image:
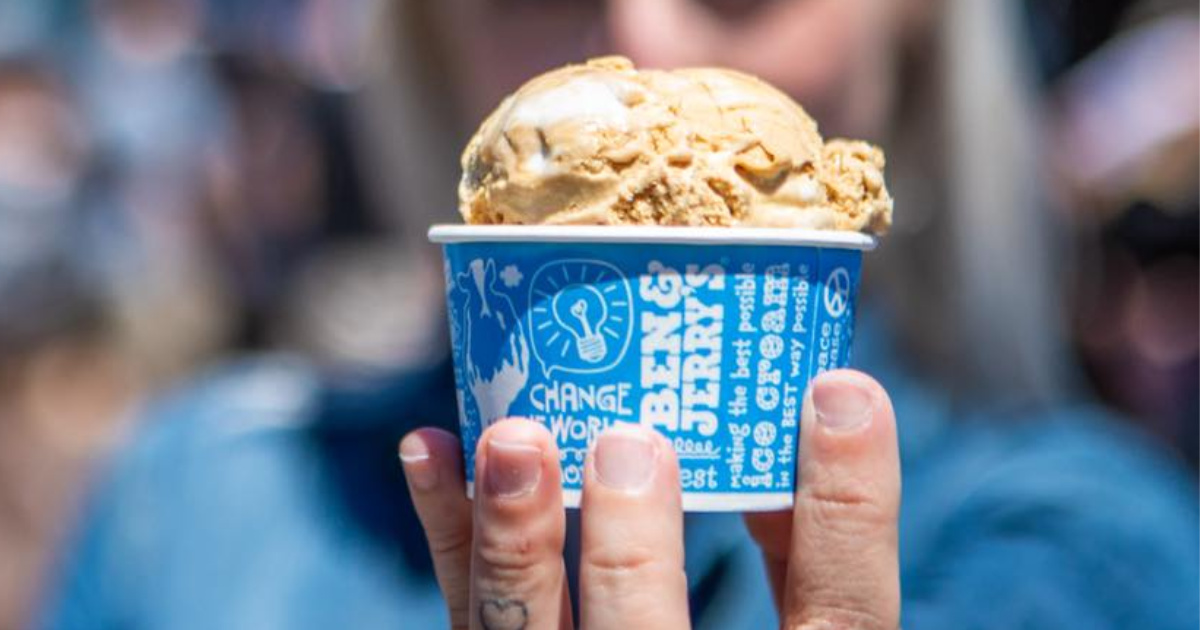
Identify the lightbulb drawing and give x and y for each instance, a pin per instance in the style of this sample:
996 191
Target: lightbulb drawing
581 310
580 316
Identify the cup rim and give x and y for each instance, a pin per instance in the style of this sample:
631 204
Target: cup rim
681 235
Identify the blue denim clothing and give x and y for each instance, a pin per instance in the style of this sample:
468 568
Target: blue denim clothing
262 499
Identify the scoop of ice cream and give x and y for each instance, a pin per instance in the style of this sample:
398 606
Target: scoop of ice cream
604 143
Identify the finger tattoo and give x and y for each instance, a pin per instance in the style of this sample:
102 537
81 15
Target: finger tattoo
503 614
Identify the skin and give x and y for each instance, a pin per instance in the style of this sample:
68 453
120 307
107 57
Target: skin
831 560
833 56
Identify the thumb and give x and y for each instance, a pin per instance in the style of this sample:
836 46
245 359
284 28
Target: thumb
843 568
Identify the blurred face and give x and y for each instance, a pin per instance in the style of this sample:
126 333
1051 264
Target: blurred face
148 31
41 142
833 56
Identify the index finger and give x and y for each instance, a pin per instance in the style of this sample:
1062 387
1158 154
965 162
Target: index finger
432 463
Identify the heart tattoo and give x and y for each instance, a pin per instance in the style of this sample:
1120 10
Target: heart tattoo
503 614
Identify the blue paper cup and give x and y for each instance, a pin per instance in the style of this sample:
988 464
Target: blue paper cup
709 335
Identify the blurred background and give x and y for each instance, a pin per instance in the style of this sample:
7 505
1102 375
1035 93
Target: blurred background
185 181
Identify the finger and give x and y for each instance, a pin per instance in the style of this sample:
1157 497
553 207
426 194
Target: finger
843 569
773 533
517 565
432 462
631 566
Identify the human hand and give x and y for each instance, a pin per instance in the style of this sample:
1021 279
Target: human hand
832 560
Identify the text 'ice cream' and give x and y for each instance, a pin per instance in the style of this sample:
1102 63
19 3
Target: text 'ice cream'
603 143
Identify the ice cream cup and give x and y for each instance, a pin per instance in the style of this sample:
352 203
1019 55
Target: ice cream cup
709 335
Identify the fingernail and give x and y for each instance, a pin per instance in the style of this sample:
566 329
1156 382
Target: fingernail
418 465
842 405
513 469
625 458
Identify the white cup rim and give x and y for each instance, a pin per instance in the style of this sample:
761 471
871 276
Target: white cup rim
680 235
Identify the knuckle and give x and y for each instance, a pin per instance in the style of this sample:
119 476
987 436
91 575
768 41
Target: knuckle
621 559
848 508
450 543
625 572
510 551
832 617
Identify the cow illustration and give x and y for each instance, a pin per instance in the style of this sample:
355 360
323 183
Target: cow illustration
495 349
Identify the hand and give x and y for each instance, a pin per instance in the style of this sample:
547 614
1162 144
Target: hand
832 560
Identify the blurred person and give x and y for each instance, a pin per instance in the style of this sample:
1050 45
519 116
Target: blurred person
120 140
65 386
1133 198
260 233
265 496
151 101
275 246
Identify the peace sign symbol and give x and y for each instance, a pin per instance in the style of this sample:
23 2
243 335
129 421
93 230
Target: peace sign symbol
837 292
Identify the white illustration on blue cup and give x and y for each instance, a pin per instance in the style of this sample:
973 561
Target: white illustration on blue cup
578 319
581 316
837 292
490 321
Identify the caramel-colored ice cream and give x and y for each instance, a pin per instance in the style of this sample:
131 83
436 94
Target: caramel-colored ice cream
605 144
